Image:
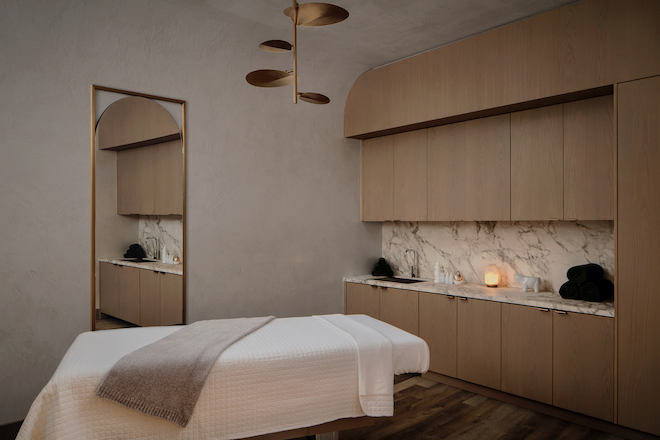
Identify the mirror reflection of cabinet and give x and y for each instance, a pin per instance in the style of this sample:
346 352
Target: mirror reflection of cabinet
138 196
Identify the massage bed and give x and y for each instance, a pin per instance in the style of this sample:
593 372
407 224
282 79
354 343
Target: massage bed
290 374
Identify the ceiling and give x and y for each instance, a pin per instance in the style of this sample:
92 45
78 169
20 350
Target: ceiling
379 32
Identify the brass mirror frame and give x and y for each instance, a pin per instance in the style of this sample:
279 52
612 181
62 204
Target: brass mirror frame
94 89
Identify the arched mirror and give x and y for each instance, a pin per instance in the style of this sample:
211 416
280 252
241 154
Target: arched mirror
138 209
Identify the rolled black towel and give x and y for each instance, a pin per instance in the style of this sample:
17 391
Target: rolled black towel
569 290
382 268
586 273
596 291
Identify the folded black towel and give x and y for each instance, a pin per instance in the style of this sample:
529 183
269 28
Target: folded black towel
569 290
382 268
586 273
597 291
135 251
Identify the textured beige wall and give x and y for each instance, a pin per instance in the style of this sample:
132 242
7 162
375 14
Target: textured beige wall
273 188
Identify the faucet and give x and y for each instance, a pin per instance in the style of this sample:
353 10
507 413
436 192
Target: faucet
413 268
156 249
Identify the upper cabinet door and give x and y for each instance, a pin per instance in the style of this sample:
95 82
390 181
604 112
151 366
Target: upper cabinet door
377 179
589 159
410 175
446 172
488 169
537 165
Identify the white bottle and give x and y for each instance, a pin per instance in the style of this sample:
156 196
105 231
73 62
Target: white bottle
449 277
163 255
442 275
436 272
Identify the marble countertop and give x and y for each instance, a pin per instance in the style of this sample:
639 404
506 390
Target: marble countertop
511 295
156 266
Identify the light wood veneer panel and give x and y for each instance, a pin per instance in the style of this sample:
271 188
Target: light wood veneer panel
400 308
171 299
410 175
437 326
377 179
479 342
134 120
136 181
168 174
488 169
447 160
589 159
149 298
638 255
129 294
583 364
362 299
583 45
109 289
527 352
537 164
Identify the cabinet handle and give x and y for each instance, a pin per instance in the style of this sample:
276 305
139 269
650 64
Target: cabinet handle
383 287
374 287
450 297
462 298
561 312
543 310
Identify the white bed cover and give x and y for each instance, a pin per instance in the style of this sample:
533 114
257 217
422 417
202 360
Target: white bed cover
292 373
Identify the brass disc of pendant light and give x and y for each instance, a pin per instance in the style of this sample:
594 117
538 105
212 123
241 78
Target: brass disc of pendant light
314 98
269 78
276 46
317 14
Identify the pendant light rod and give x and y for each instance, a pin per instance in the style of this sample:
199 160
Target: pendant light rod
295 52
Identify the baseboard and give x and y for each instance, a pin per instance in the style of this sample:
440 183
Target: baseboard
553 411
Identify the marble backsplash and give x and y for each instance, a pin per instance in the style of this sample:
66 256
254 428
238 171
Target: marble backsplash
542 249
167 229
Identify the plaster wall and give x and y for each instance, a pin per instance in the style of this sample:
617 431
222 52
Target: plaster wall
273 189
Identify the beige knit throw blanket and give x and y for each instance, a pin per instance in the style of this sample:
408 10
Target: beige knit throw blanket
165 379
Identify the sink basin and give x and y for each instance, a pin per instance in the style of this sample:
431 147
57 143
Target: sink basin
398 280
133 260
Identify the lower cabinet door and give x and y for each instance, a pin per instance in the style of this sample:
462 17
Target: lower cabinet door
479 342
129 294
400 308
437 326
171 299
362 299
583 364
149 298
109 289
527 352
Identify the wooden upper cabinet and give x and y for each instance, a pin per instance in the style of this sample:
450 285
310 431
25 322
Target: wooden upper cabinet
589 159
400 308
488 169
638 255
537 164
527 352
410 175
583 364
362 299
135 122
150 180
447 160
377 179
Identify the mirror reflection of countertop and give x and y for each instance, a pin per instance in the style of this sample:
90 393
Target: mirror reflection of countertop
156 266
511 295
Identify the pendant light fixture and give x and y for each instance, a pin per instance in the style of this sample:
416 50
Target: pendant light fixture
304 15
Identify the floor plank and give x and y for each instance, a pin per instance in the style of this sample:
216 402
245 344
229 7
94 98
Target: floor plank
436 411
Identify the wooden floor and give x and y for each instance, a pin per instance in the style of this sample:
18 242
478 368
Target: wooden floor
109 323
428 410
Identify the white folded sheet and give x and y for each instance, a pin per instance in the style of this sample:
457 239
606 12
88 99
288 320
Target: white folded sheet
300 372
